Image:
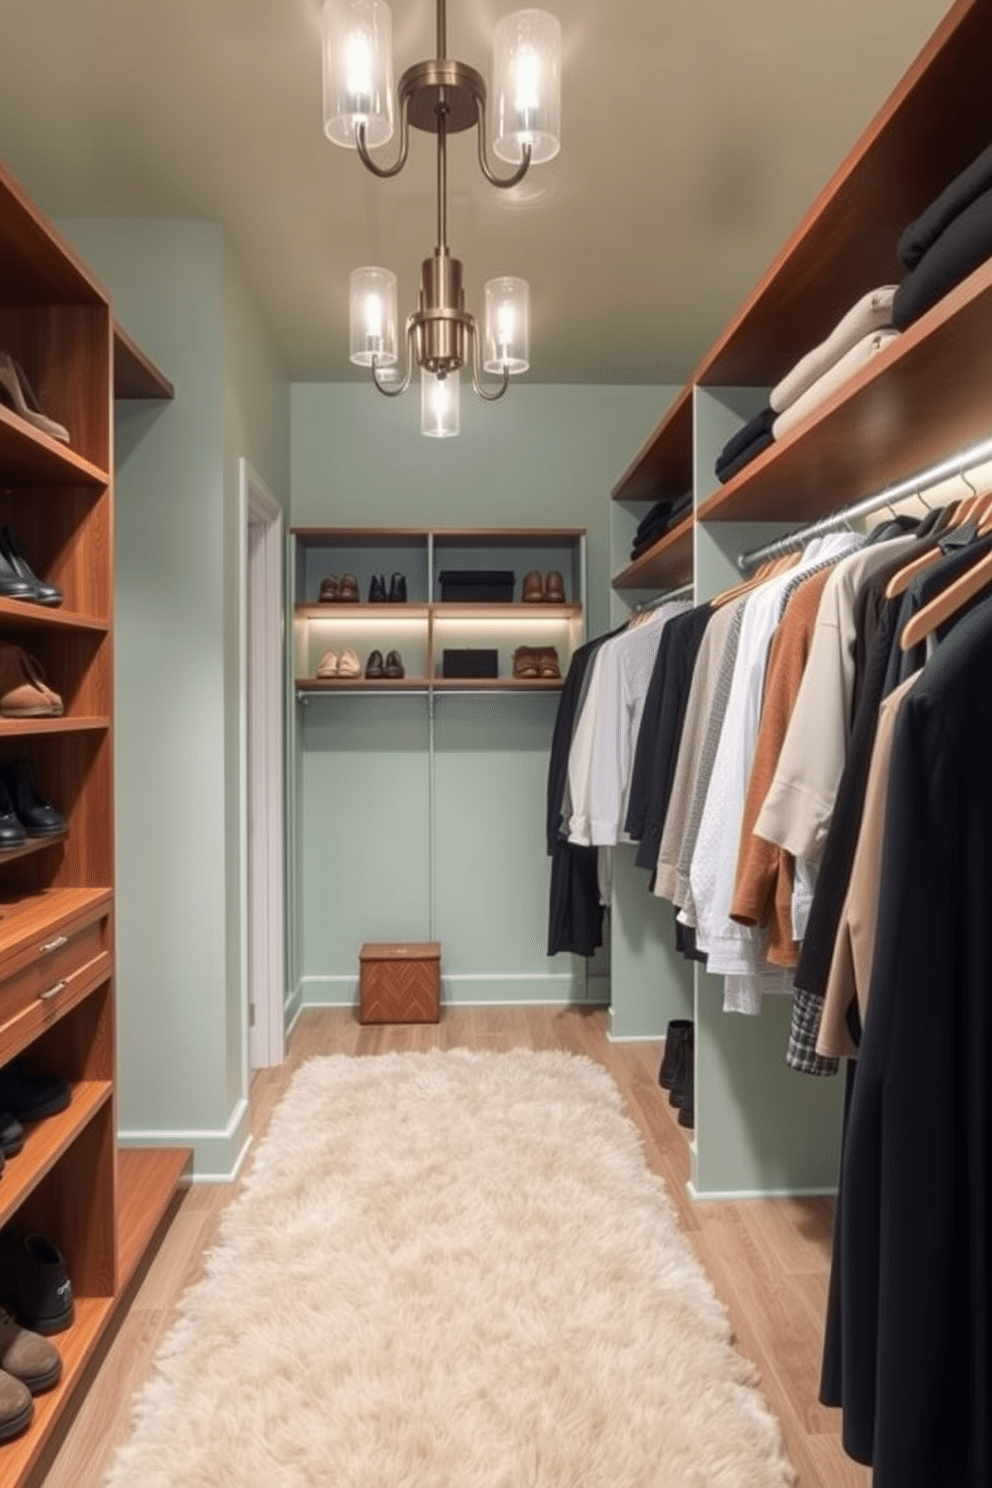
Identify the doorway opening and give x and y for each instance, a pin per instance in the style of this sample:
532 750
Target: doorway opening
263 906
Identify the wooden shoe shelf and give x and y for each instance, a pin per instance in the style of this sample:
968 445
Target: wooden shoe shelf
101 1207
424 626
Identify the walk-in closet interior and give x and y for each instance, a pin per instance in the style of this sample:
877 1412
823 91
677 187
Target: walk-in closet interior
653 703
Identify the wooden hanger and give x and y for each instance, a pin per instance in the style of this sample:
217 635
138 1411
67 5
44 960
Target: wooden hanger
958 593
901 580
947 603
768 570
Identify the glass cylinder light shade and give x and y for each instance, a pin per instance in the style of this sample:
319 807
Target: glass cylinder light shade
372 317
506 333
527 86
358 70
439 405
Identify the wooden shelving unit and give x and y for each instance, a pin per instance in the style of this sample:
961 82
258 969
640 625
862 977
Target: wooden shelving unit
56 896
665 565
424 624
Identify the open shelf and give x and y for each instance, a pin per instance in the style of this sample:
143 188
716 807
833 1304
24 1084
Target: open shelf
14 727
361 684
45 1142
32 845
912 405
27 616
663 465
348 613
497 684
668 563
135 374
932 125
29 457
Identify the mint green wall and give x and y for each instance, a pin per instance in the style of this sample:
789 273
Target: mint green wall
545 456
181 1058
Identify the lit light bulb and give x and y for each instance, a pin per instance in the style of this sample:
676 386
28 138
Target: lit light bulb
358 70
528 89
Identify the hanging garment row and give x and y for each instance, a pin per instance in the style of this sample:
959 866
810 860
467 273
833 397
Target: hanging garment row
799 764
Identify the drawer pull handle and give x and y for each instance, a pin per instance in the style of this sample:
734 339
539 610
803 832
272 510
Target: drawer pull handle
55 945
53 991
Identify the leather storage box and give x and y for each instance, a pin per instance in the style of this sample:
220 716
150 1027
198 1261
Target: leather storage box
477 585
470 663
400 981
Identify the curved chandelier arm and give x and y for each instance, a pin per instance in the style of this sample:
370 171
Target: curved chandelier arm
493 392
484 165
385 171
401 387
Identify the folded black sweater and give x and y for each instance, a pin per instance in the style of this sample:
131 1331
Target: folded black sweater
921 235
964 244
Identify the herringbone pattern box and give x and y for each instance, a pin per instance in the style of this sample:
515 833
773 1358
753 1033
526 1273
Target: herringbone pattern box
400 981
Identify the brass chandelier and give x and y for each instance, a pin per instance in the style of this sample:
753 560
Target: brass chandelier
441 97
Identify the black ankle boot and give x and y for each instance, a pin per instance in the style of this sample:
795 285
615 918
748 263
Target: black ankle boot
681 1093
675 1033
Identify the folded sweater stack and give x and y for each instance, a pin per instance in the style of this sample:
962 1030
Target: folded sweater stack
663 517
947 242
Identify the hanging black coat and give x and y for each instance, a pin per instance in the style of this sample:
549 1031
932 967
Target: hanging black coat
916 1184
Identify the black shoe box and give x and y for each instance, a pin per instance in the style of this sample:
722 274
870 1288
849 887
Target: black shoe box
470 663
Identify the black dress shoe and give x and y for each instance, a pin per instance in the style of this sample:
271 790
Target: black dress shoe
12 829
11 1135
32 1097
12 585
377 589
38 816
397 588
394 666
374 667
41 592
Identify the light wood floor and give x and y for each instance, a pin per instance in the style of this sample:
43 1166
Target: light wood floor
769 1260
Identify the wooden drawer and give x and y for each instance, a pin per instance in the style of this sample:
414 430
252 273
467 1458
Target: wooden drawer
47 974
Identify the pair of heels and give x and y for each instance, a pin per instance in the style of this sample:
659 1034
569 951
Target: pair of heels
530 662
345 665
339 591
392 667
17 394
536 590
17 580
397 589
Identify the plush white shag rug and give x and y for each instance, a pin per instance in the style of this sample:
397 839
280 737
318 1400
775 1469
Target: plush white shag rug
451 1270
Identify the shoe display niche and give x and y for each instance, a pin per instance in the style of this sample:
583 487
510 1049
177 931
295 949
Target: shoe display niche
36 814
12 559
435 595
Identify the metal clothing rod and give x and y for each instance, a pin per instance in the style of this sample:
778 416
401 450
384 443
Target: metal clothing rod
912 486
660 599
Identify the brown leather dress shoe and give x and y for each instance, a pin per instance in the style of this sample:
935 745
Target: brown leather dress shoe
329 589
547 664
532 591
525 664
348 589
554 588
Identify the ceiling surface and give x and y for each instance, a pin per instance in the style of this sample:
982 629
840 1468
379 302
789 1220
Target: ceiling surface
694 137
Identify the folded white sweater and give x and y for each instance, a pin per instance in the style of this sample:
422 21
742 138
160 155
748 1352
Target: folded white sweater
873 312
835 377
